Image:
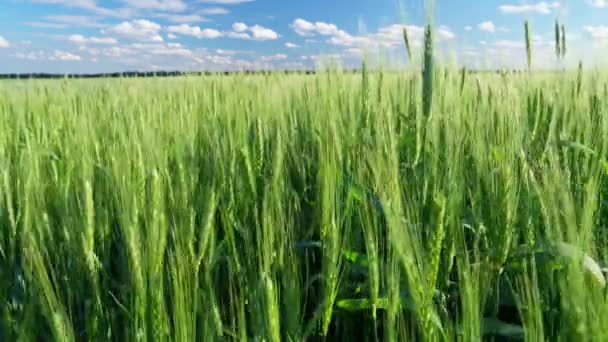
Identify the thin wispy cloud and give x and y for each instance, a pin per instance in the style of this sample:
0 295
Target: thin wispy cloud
223 2
80 39
160 5
538 8
599 3
597 32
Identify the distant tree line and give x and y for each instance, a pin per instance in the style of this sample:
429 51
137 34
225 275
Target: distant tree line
129 74
146 74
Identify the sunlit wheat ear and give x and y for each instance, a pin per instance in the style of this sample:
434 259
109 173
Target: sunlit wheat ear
528 45
557 40
563 48
406 39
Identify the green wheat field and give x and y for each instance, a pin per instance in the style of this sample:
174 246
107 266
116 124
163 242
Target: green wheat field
380 206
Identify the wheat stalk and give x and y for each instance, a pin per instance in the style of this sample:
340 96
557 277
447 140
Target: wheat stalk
528 45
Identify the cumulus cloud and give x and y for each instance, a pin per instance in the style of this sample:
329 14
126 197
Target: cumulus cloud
308 29
487 26
239 31
542 7
262 33
239 27
291 45
141 30
195 31
388 36
4 43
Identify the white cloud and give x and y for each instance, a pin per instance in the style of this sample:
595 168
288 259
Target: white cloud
388 36
90 5
468 28
542 7
183 18
291 45
508 44
308 29
599 3
262 33
170 49
277 57
80 39
32 56
238 35
171 36
4 43
145 51
142 30
239 27
223 2
239 31
64 56
597 32
71 3
55 55
75 20
42 24
444 33
487 26
159 5
195 31
214 11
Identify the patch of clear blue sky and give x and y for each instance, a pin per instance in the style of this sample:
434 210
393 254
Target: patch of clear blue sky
17 16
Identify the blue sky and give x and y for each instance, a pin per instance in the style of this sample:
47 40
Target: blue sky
116 35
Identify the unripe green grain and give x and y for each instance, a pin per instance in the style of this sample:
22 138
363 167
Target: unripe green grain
563 47
557 40
528 44
406 39
427 72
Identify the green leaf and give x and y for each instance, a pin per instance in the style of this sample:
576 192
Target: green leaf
592 267
577 146
555 254
492 326
361 304
355 258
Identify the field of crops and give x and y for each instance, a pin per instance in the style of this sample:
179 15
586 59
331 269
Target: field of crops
288 207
